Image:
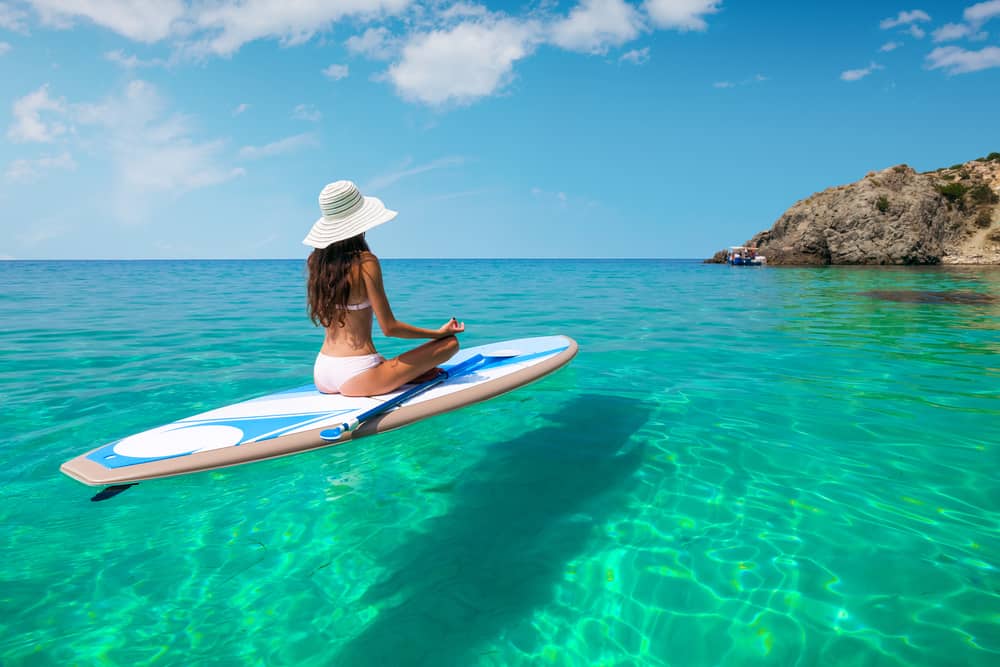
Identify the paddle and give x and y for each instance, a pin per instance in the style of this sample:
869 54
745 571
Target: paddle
469 365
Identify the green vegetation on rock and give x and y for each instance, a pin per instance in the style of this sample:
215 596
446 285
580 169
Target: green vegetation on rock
983 194
952 191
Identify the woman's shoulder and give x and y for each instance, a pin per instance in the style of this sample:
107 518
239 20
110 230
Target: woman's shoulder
368 263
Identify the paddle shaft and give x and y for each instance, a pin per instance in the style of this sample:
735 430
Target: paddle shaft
462 368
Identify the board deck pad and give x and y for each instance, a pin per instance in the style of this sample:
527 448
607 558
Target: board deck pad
290 421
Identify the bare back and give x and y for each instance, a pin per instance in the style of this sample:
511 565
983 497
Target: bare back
355 337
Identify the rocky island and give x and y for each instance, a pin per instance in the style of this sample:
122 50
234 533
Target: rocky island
894 216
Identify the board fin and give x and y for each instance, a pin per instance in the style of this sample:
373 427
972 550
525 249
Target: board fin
110 492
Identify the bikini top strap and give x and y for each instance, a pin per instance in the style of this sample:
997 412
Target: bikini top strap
361 305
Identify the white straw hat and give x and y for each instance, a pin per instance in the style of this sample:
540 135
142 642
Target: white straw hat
346 213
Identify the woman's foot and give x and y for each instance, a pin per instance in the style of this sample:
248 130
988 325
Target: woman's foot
424 377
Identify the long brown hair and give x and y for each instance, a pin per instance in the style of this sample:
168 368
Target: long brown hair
329 285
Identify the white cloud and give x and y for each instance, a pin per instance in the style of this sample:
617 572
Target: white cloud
12 18
28 123
905 18
119 58
240 108
956 60
156 148
890 46
5 48
234 23
560 197
982 12
405 171
28 171
594 25
336 72
949 32
916 31
856 74
139 20
286 145
307 112
464 63
374 43
464 10
975 16
635 56
153 151
681 14
454 52
756 78
218 27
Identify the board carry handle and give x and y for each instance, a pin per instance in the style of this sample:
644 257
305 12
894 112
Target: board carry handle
462 368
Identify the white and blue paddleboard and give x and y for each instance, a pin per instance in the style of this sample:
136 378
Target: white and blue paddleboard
291 421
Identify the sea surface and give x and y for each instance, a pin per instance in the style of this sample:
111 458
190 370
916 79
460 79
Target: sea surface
742 466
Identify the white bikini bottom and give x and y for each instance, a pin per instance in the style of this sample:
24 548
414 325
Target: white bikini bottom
329 373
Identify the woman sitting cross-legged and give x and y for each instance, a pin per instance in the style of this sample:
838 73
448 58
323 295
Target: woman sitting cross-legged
345 290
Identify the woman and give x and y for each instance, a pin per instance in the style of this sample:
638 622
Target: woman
345 290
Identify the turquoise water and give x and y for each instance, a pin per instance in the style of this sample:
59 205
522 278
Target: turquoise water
742 466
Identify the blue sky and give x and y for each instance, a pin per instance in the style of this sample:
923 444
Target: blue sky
601 128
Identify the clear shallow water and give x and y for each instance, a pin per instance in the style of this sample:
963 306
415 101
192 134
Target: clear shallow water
741 466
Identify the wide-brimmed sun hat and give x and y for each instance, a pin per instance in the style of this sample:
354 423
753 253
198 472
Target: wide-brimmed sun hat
346 213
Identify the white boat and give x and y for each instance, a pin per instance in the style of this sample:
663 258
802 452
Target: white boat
738 255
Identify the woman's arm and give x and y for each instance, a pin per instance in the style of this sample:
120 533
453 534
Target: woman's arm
371 272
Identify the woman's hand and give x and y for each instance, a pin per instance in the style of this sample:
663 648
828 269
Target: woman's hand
451 327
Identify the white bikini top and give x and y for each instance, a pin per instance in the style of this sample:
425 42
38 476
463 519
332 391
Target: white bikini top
361 305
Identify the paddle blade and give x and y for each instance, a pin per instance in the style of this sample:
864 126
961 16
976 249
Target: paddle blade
334 433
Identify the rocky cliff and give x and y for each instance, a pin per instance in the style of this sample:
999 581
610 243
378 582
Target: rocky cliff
895 216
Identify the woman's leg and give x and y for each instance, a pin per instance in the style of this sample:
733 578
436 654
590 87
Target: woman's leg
394 373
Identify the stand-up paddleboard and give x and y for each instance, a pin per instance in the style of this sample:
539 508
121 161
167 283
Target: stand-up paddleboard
292 421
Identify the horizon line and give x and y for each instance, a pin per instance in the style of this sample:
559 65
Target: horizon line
289 259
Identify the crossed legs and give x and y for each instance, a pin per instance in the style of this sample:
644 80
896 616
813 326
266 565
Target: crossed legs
407 367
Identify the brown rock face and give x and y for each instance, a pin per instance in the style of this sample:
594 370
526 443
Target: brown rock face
717 258
895 216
